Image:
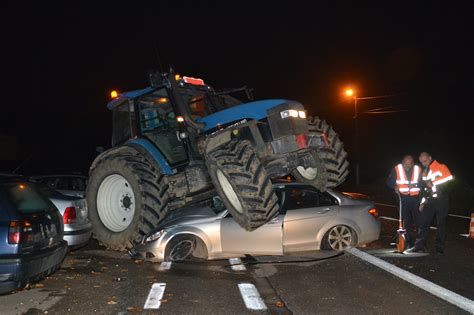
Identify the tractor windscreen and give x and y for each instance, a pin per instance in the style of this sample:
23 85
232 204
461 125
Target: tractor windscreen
203 102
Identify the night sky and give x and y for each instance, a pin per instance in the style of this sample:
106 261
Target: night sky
60 62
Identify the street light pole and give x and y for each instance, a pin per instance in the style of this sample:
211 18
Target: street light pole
356 141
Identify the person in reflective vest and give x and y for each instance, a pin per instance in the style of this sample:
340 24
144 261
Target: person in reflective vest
405 178
435 201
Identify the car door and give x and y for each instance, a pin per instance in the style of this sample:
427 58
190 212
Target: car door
307 210
266 240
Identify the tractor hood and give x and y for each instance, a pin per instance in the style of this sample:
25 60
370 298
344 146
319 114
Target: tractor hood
250 111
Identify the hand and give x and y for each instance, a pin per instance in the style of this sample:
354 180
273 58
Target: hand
429 184
420 208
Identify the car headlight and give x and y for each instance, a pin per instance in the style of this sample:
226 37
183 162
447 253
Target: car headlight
155 236
293 113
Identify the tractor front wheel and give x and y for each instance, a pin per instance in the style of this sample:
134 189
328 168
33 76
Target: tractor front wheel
242 182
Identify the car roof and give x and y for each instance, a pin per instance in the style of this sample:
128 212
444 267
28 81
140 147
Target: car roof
58 175
9 177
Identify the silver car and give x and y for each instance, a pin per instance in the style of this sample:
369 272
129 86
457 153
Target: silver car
70 185
308 220
77 227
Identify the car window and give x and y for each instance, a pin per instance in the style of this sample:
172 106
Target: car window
64 183
26 198
299 198
307 197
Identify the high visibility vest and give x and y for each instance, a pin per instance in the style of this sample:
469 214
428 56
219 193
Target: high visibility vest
403 182
438 174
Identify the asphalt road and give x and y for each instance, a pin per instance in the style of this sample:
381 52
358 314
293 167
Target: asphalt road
95 281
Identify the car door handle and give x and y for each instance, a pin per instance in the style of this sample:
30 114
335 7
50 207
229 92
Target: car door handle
274 221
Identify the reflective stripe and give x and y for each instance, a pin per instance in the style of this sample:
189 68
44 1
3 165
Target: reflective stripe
444 180
415 189
402 182
416 174
404 189
401 173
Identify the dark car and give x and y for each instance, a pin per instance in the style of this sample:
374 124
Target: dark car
31 234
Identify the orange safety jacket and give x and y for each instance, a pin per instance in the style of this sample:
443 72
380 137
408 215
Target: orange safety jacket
438 174
405 186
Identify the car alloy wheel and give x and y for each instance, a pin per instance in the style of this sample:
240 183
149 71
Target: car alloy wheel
339 237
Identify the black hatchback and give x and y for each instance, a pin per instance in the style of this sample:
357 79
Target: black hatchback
31 234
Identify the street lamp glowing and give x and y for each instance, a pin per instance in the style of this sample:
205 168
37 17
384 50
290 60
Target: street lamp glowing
349 92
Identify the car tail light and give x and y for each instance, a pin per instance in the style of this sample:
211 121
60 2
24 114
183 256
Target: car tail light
301 141
69 215
18 232
374 212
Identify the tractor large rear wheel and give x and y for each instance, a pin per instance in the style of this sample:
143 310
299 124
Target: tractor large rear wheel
127 197
332 167
242 182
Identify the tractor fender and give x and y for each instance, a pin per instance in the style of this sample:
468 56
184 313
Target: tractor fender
142 146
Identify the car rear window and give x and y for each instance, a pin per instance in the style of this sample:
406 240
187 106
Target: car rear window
26 198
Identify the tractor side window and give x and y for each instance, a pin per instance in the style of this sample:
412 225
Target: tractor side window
158 124
122 129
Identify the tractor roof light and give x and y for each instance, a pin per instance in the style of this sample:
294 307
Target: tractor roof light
114 94
193 81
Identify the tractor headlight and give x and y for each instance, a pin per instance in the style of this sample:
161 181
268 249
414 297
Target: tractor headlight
155 236
289 113
293 113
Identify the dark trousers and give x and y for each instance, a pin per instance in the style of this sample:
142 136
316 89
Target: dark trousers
438 207
410 217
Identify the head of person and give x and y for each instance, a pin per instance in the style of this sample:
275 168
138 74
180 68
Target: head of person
425 159
408 162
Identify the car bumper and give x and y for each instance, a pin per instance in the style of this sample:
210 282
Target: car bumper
371 233
152 251
78 236
17 272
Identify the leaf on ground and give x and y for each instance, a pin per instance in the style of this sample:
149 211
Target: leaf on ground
133 310
111 302
39 285
123 270
280 304
163 300
97 286
95 272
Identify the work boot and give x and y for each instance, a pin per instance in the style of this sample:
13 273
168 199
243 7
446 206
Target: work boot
415 249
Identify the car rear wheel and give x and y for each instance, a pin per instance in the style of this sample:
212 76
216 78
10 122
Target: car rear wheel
338 238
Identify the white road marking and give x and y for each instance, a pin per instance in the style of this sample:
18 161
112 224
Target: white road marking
166 265
251 297
393 219
236 264
449 296
451 215
153 301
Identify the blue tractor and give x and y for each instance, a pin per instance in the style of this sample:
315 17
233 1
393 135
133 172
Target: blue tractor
179 142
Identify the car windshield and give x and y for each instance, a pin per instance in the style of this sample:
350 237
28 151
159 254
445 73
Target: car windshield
26 198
